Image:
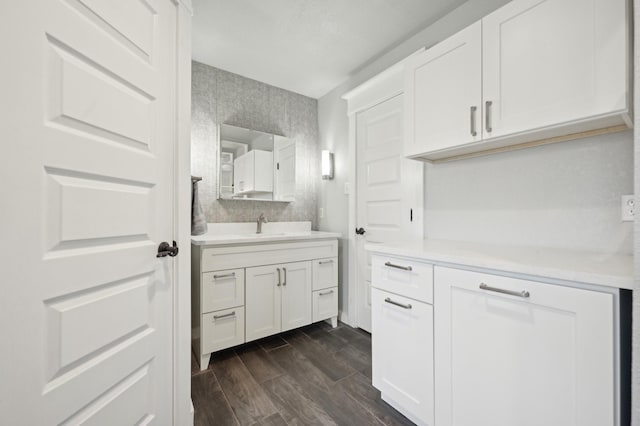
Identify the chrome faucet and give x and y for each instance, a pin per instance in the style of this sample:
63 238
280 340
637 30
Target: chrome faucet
261 220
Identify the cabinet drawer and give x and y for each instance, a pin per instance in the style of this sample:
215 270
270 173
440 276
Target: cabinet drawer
222 289
325 304
405 277
222 329
325 273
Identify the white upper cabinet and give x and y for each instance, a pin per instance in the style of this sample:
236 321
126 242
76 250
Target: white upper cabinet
533 70
550 62
443 94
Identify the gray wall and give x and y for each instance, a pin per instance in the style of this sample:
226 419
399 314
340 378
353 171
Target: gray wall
222 97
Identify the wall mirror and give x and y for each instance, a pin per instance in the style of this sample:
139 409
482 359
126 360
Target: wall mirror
254 165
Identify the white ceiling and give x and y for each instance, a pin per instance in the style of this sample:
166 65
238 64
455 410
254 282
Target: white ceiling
306 46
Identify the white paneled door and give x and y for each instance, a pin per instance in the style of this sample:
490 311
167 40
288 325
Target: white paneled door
389 196
87 121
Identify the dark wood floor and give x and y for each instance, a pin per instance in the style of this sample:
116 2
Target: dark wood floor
311 376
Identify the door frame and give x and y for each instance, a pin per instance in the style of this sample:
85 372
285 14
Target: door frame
384 86
183 413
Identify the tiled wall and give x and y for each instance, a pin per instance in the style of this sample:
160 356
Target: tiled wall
222 97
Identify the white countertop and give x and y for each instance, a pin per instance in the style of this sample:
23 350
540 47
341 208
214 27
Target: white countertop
220 239
245 233
610 270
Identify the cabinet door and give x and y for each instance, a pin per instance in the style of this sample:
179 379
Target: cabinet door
284 150
504 360
262 301
222 329
442 88
402 354
296 295
549 62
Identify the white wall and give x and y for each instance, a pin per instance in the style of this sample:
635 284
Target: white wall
565 195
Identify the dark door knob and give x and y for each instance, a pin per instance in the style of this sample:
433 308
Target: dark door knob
360 231
164 249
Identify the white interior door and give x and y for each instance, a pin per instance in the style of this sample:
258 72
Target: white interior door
87 121
389 196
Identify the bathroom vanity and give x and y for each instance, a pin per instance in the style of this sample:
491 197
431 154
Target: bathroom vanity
246 286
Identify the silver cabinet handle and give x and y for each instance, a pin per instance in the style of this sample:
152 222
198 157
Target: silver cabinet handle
217 277
322 262
231 314
285 276
402 305
325 293
487 116
279 279
404 268
473 121
524 294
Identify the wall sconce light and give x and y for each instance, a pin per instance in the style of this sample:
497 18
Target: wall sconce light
327 164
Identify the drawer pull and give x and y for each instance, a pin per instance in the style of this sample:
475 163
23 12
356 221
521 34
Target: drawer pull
524 294
487 116
473 121
404 268
402 305
322 262
325 293
284 282
231 314
217 277
279 278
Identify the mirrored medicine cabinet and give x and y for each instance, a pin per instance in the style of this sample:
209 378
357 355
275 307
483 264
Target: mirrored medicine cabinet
254 165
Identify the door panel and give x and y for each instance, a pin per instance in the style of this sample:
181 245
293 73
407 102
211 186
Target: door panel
262 301
296 295
389 196
442 84
540 75
548 358
91 128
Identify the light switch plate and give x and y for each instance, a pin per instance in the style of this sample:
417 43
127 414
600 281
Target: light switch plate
628 208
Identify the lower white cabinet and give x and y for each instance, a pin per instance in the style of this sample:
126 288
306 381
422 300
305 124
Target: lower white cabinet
402 354
516 352
243 292
278 298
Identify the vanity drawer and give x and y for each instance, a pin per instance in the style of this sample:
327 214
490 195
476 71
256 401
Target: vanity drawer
325 304
222 329
406 277
325 273
222 289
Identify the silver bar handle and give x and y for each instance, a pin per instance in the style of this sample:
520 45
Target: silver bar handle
231 314
322 262
217 277
473 121
404 268
393 302
325 293
487 116
524 294
285 277
279 278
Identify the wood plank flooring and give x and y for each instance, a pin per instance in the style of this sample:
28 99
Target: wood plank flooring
315 375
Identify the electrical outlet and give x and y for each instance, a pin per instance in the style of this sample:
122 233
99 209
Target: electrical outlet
346 188
628 208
